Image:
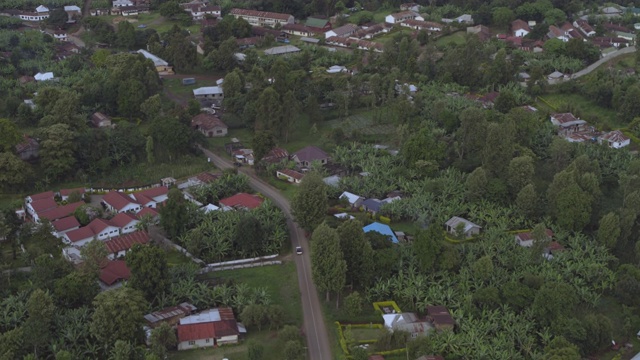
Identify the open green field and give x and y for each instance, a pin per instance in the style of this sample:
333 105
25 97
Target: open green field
365 334
144 173
455 38
280 281
600 117
363 124
175 86
156 21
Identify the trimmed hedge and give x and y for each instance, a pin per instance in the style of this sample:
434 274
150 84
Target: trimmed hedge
379 305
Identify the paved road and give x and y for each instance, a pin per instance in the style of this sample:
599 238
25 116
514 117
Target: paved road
595 65
314 326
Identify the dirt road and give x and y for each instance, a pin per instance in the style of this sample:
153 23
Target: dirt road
314 326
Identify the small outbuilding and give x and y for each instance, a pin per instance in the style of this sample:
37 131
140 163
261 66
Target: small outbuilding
469 229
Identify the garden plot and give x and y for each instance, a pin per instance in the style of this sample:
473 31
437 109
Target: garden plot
361 124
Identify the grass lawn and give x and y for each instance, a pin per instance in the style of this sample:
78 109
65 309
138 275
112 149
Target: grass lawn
365 334
455 38
174 258
175 86
280 281
144 173
156 21
285 188
601 117
408 227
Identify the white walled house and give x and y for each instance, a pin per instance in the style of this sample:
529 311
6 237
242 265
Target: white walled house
119 202
402 16
262 18
126 222
614 139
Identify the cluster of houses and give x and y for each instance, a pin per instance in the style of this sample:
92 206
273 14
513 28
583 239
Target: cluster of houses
119 232
208 328
617 36
574 129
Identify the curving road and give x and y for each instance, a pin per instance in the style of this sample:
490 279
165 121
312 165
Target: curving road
314 326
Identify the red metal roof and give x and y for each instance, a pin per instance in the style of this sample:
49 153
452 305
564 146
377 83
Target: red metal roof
82 233
44 204
123 219
147 211
192 332
206 177
98 225
225 328
294 174
117 199
242 200
153 192
114 271
60 211
125 242
66 223
260 14
555 246
40 196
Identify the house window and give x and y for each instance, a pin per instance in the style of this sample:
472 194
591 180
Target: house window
207 341
192 342
414 335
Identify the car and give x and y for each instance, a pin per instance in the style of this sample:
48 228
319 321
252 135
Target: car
299 250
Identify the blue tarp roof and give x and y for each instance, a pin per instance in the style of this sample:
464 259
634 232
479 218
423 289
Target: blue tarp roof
382 229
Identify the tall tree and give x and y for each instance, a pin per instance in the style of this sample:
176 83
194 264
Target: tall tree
498 149
173 216
57 150
13 171
149 270
357 253
126 35
163 338
427 246
609 230
327 264
269 103
118 315
263 142
310 204
521 171
9 135
476 184
39 323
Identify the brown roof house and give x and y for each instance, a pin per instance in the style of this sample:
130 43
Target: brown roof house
28 149
210 125
305 156
520 28
440 317
100 120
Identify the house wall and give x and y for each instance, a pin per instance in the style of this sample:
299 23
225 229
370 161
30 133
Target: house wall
521 33
473 231
186 345
525 243
82 242
130 227
233 339
60 234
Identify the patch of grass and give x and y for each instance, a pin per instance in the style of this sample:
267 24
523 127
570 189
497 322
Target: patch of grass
365 334
175 258
287 189
408 227
280 281
175 86
362 123
156 21
595 114
455 38
144 173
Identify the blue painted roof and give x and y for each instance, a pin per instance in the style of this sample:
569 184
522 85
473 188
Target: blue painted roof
382 229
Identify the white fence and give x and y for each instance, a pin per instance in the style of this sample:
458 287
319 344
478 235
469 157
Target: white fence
240 266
